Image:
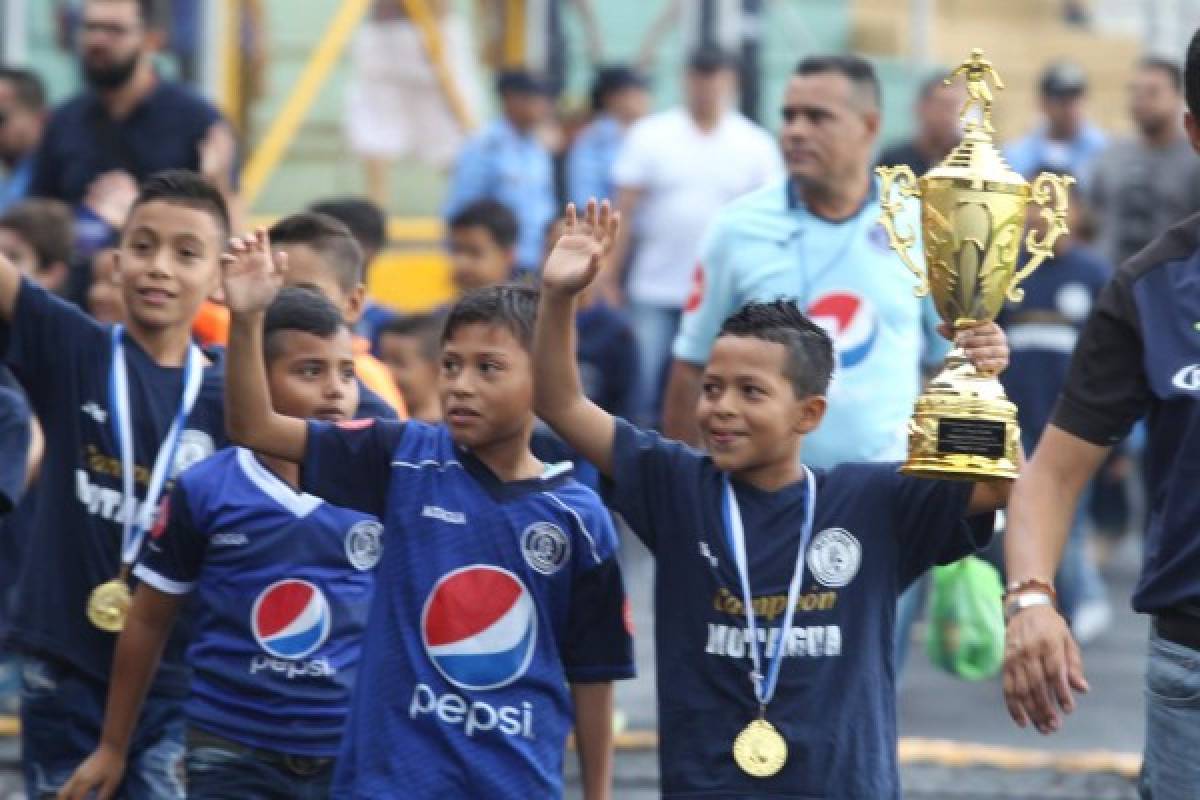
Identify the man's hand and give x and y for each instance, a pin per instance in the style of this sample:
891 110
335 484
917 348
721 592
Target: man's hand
217 151
1042 667
984 345
100 773
576 259
111 197
251 277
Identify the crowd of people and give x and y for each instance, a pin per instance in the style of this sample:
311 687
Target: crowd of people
266 537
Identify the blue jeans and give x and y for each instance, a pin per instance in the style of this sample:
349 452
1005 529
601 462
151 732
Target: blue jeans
655 328
222 770
1170 769
62 711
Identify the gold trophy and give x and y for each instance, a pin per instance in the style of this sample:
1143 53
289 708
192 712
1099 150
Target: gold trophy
972 218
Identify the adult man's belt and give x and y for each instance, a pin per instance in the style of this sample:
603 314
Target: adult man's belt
1180 628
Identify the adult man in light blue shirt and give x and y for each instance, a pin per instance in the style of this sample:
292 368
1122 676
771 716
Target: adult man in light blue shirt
506 162
815 237
1065 141
619 99
22 120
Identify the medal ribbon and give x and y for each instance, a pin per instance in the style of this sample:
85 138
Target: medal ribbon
735 534
134 525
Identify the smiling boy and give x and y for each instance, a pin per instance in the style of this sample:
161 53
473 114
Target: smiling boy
775 584
139 401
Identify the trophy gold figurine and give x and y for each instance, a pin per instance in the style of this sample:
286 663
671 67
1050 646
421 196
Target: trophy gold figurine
972 220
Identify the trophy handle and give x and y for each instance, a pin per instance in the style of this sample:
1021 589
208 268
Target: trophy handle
1054 211
906 184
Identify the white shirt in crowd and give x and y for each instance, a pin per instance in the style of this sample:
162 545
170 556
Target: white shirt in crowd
685 176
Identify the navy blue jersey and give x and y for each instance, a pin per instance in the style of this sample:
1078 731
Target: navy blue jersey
875 531
73 534
1042 331
283 581
491 596
372 406
1139 355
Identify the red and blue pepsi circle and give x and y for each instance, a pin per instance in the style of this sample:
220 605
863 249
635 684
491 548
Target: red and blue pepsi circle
851 321
291 619
479 627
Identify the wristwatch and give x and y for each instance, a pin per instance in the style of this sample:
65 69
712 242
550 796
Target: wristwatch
1017 603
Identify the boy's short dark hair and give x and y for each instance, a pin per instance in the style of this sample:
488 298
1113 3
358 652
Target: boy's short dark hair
494 217
809 349
425 328
28 88
297 308
47 225
366 221
509 305
182 187
328 237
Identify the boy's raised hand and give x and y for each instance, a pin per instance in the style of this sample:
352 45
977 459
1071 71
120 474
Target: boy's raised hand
576 259
250 275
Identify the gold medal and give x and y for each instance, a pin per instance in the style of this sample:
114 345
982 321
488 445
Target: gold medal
760 750
108 605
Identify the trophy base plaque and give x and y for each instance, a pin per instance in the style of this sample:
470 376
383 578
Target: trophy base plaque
963 428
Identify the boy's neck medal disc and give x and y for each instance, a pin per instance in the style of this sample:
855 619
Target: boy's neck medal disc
760 750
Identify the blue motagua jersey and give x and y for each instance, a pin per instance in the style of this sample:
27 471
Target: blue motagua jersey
283 583
492 597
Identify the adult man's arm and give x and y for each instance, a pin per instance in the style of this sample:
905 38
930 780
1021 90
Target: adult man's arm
1042 665
1105 392
679 402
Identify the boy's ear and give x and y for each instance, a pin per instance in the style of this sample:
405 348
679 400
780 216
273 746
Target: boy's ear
355 299
808 413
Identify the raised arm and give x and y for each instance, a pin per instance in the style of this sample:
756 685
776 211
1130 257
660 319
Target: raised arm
986 347
252 278
558 393
139 649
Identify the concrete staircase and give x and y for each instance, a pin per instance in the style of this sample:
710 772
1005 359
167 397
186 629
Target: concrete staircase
1020 37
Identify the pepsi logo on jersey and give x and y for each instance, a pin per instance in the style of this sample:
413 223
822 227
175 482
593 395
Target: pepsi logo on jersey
851 321
479 629
290 620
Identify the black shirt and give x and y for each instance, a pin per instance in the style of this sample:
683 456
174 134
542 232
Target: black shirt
82 142
1139 355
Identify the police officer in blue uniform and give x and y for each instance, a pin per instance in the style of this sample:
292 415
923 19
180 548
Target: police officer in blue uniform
507 162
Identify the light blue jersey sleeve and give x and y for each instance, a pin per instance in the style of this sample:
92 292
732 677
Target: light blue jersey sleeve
713 296
471 180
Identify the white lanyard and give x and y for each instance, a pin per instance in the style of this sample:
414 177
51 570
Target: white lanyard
764 689
137 518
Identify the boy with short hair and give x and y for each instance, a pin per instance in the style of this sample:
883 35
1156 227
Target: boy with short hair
131 407
283 582
411 347
36 236
368 224
322 253
776 584
498 587
482 239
